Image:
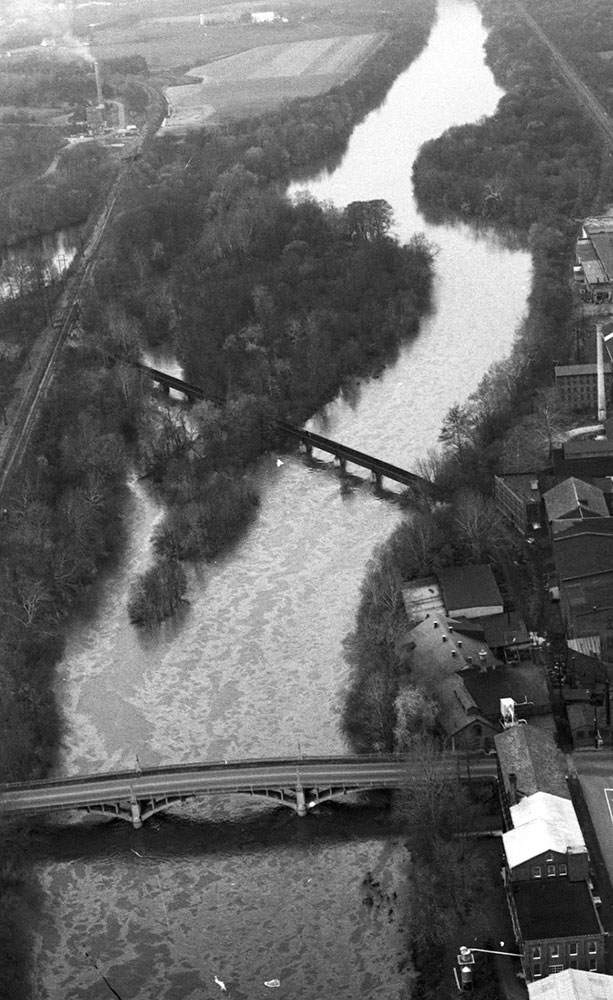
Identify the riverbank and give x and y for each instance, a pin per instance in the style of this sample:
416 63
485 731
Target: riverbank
489 170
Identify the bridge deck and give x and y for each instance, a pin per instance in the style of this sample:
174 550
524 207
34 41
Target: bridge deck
185 781
359 458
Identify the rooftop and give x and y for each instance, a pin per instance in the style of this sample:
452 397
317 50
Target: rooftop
457 708
603 245
470 587
555 908
534 758
585 549
439 649
534 838
575 496
572 984
522 682
423 596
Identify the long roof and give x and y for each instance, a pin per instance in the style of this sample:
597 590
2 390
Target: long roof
533 757
585 550
572 984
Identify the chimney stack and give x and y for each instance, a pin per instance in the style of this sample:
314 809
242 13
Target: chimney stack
602 402
99 98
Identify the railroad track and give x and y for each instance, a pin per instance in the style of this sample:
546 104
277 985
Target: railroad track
20 419
582 92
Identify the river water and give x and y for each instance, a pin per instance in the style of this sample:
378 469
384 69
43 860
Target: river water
255 666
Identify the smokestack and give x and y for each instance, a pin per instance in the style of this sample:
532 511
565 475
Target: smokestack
602 404
98 84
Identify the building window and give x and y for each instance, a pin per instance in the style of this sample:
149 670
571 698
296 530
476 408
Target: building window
574 963
536 970
551 871
592 947
536 871
572 949
554 951
536 952
555 968
562 870
593 965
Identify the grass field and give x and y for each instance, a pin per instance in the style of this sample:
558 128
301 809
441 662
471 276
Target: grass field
261 77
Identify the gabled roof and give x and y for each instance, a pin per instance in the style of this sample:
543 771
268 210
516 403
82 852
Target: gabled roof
572 984
574 496
457 709
532 839
532 756
552 809
470 586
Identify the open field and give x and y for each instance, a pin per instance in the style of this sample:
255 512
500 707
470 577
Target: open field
171 37
259 78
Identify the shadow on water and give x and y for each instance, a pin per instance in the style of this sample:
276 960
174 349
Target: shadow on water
171 835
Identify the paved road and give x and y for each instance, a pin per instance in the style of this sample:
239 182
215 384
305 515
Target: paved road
235 776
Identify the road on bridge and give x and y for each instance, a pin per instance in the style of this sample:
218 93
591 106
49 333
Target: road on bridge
186 781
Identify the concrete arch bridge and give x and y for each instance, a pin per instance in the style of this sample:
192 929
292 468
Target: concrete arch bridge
299 783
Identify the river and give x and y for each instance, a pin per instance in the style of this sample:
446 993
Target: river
255 666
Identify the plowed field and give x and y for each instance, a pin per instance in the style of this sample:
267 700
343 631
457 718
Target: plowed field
261 77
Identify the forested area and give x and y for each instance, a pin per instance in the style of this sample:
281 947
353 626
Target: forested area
205 247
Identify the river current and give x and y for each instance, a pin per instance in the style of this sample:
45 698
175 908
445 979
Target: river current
255 666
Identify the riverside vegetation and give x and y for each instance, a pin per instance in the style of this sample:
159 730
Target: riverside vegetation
530 170
64 515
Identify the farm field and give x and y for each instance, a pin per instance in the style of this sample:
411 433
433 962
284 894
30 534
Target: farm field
261 77
173 35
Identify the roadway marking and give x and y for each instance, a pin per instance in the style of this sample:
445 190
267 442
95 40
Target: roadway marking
608 794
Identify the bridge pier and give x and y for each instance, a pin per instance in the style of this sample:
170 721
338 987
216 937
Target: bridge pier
306 447
135 813
165 388
340 464
375 478
301 807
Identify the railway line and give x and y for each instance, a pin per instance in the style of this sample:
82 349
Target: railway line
20 420
582 92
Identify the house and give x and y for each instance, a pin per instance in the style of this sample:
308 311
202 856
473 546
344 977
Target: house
518 498
572 984
528 762
545 841
573 500
465 728
470 591
556 927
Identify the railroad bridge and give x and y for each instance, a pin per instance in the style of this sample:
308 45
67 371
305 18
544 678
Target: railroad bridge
300 783
308 440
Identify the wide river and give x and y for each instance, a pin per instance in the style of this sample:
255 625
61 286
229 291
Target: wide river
255 667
